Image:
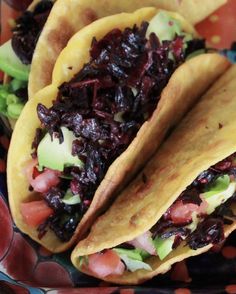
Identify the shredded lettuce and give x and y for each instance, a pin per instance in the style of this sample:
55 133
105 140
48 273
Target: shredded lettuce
138 254
131 253
134 265
133 258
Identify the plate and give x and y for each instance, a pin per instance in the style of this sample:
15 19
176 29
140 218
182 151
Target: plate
26 267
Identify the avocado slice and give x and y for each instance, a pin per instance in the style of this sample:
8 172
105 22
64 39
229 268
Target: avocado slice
219 192
70 198
219 185
164 26
163 246
11 64
52 154
134 265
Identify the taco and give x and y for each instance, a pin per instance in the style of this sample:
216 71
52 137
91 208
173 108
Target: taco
16 56
118 88
69 16
180 205
39 43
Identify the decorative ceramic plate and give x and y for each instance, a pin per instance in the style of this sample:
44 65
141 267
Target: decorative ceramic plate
25 267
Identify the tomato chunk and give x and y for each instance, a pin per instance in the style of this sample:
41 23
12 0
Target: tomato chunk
41 181
35 212
44 181
104 264
181 213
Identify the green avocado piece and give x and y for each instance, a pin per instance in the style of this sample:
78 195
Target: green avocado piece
164 26
219 185
52 154
11 64
163 246
221 190
70 198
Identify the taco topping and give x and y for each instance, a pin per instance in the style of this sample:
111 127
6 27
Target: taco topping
99 112
196 217
106 263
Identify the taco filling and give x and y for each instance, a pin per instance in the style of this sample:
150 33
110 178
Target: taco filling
196 217
96 116
16 56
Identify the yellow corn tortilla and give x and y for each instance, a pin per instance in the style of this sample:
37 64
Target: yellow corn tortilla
206 136
69 16
188 82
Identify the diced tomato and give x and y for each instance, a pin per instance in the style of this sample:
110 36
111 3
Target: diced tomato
35 172
104 264
87 202
120 269
178 46
144 242
35 212
223 165
44 181
181 213
41 181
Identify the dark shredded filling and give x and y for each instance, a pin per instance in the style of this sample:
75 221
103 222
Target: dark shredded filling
105 104
210 230
28 28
